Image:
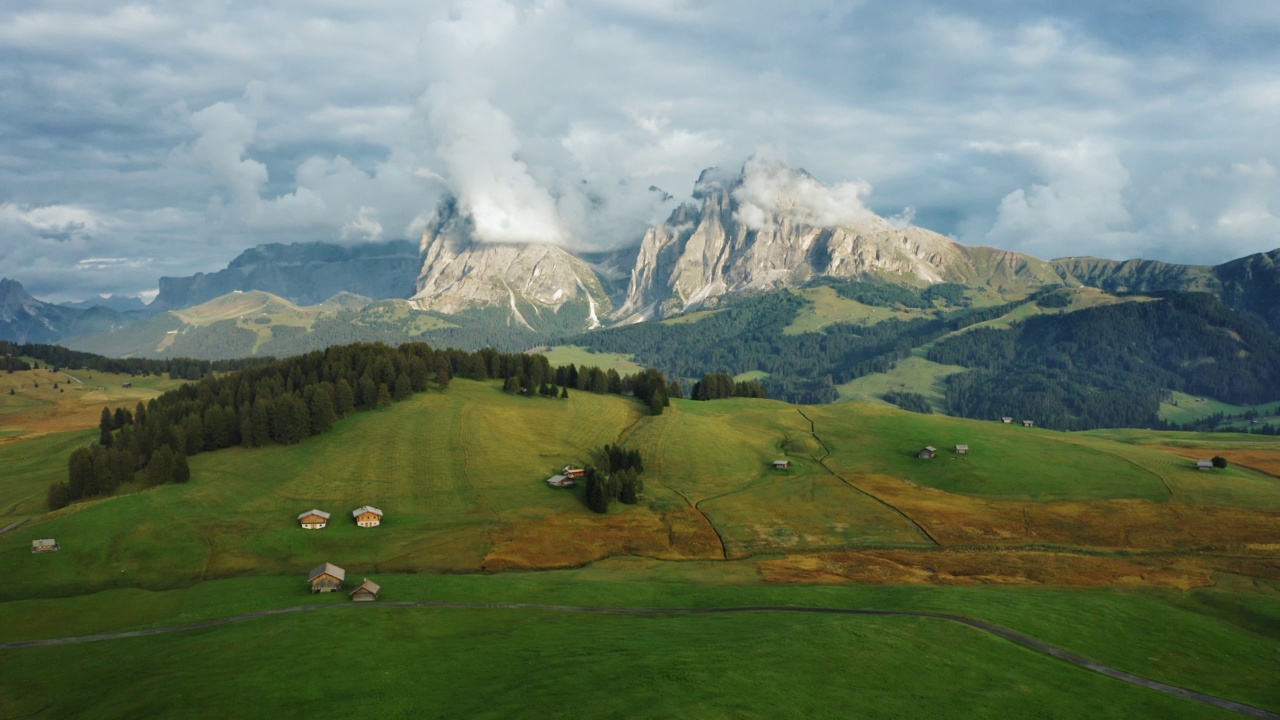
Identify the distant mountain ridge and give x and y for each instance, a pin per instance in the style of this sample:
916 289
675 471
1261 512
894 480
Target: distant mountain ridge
306 273
25 319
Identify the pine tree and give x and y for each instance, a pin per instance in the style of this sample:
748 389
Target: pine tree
344 399
160 470
181 470
58 496
403 389
105 426
323 415
564 393
384 397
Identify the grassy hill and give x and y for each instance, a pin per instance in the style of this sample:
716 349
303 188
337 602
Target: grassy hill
1112 546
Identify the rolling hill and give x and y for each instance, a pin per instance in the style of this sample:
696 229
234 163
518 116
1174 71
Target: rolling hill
1072 538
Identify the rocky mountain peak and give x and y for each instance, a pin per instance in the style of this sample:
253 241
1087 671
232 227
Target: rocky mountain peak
771 226
537 284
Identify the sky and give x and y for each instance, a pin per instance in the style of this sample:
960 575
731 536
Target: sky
163 138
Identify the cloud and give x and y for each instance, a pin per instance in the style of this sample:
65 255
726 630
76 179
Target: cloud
771 190
188 132
1080 204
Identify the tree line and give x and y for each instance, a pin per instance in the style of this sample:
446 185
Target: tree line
57 356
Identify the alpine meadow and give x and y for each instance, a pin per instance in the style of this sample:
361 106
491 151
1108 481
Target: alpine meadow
707 360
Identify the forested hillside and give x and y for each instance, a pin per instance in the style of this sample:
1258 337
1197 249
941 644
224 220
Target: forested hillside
748 335
1109 366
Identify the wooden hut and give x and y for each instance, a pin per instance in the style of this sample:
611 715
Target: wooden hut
559 481
927 453
1028 423
1204 465
366 592
781 464
367 516
574 472
326 578
1006 420
962 449
313 519
44 546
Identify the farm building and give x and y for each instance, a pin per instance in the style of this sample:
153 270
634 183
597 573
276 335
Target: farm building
313 519
559 481
1028 423
1006 420
366 592
781 464
927 453
1204 465
962 449
44 546
326 578
573 472
367 516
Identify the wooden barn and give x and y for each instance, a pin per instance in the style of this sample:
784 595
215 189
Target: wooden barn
927 453
366 592
1028 423
962 449
367 516
573 472
559 481
44 546
326 578
781 464
1204 465
313 519
1006 420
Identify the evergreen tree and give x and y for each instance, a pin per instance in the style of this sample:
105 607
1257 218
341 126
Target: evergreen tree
80 479
344 399
403 387
443 378
58 496
105 426
384 397
323 415
1219 461
564 393
181 470
160 470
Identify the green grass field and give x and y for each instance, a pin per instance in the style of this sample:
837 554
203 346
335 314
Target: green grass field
516 663
1189 408
827 307
460 475
582 357
912 374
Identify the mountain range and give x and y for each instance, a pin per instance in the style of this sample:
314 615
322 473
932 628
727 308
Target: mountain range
764 229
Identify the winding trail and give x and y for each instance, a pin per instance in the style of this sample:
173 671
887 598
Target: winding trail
813 430
991 628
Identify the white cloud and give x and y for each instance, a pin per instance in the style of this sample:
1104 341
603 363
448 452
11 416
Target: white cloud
1080 204
772 190
187 132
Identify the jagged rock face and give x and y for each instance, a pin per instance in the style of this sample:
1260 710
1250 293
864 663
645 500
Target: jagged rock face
705 251
461 273
306 273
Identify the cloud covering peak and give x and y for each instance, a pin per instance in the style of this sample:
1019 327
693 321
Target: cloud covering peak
170 137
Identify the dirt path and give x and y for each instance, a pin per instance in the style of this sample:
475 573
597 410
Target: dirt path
813 430
1011 635
11 526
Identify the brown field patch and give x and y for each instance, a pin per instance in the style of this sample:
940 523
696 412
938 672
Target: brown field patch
987 568
558 541
1264 461
959 520
33 411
